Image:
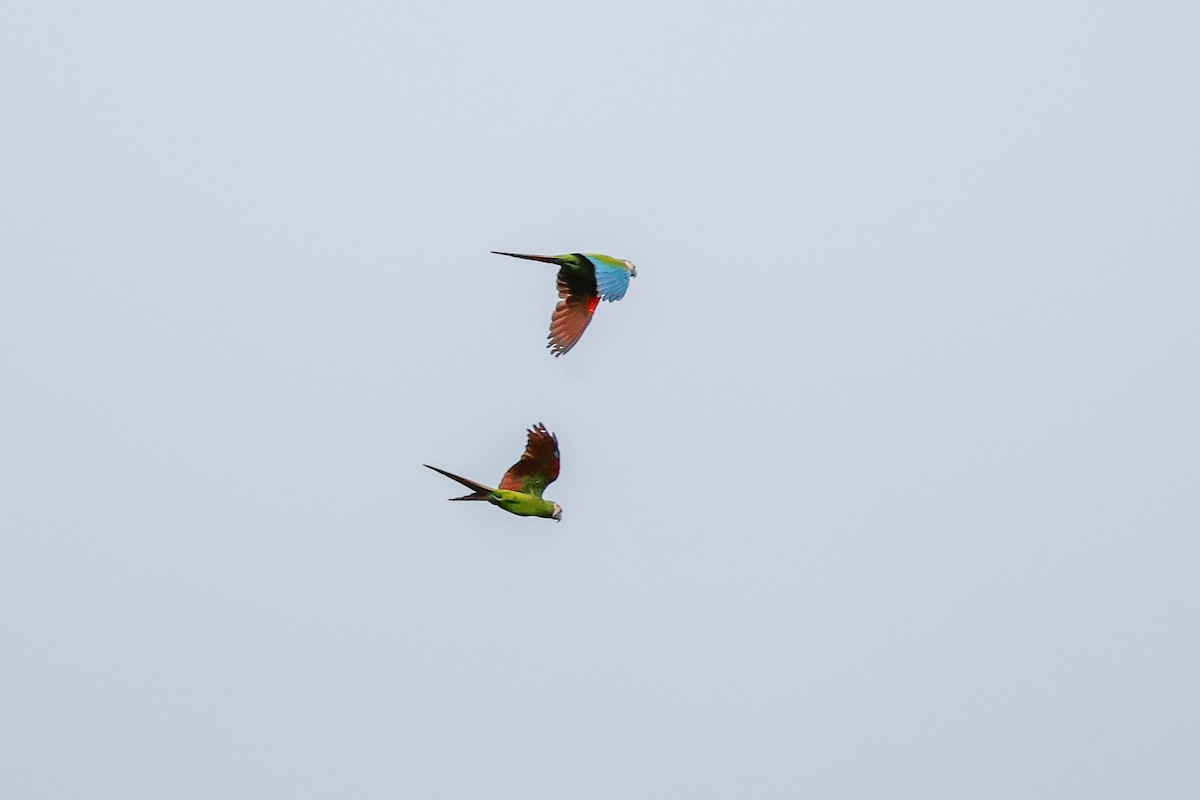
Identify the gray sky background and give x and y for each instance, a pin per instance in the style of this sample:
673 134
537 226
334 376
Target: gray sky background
880 482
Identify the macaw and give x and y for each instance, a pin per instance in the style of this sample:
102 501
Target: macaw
584 279
521 488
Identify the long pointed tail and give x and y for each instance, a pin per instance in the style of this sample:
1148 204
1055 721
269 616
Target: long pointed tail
480 492
547 259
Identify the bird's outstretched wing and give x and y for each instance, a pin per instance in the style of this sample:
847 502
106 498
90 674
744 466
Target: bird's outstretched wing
538 466
574 311
612 276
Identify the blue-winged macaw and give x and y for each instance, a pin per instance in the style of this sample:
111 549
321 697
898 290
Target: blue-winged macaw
584 279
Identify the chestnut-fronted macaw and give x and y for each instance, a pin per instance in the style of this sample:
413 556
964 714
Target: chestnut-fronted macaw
520 490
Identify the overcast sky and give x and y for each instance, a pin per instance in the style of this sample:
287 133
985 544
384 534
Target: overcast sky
881 482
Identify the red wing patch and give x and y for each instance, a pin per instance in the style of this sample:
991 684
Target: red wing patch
571 316
538 467
570 320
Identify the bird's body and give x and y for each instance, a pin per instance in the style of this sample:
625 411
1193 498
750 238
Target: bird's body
584 279
520 490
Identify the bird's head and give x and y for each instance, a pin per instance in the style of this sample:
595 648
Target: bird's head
557 516
632 269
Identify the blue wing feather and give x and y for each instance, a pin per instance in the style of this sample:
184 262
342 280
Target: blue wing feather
611 281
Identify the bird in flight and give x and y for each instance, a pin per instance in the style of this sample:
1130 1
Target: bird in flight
584 279
520 490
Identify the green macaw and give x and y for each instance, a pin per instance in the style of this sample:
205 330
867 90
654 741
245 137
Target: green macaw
584 279
521 488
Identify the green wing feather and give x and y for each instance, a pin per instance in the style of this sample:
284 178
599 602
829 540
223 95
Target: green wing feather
538 467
